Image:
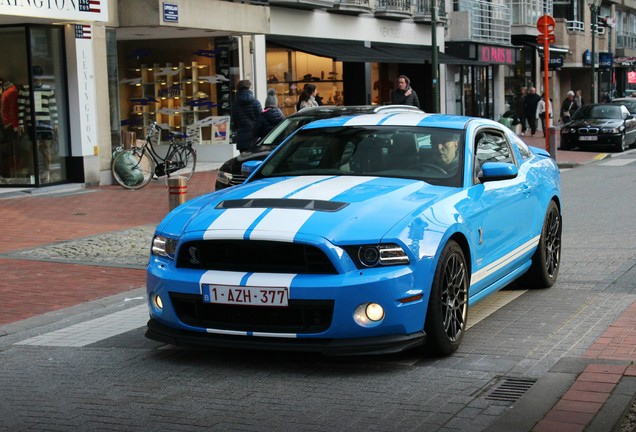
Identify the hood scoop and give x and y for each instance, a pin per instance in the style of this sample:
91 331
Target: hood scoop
282 203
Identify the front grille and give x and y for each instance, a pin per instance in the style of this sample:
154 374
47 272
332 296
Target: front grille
254 256
588 130
300 316
238 179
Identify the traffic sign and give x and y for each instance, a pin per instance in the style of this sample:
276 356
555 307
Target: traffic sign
551 38
545 24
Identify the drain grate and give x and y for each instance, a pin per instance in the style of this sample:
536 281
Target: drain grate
511 389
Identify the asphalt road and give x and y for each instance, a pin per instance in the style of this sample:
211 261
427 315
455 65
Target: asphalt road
89 367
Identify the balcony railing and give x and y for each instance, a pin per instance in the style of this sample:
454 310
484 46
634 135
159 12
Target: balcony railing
393 9
527 12
424 8
625 40
488 22
303 4
351 7
575 26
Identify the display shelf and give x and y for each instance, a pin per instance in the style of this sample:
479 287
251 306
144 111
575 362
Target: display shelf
166 94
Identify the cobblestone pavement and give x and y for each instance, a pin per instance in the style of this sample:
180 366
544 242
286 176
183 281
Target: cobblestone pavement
92 244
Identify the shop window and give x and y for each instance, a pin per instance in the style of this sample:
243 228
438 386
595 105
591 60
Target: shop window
288 71
34 147
184 86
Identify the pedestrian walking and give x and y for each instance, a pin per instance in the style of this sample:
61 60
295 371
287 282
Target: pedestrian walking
531 101
245 114
404 94
568 107
520 109
541 112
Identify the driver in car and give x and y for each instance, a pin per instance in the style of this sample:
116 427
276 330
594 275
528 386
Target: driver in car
447 153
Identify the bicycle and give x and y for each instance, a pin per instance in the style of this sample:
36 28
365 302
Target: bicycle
134 168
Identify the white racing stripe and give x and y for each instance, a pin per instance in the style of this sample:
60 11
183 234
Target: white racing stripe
501 262
284 224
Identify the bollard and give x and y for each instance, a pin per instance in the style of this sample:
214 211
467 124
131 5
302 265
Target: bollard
177 191
552 136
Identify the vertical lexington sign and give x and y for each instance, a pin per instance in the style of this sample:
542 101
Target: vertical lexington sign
82 99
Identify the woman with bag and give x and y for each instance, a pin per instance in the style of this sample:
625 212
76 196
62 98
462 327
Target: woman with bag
568 107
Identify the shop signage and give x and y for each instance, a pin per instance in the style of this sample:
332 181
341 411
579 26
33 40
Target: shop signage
496 55
624 61
171 12
555 62
605 60
78 10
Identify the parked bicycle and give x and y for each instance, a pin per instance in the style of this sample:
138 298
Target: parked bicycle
134 168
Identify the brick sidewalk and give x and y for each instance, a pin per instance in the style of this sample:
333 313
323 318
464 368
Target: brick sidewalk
30 288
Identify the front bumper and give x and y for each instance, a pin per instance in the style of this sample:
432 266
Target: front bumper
371 345
574 140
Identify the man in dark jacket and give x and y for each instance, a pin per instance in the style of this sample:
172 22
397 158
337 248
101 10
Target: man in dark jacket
404 94
246 111
531 102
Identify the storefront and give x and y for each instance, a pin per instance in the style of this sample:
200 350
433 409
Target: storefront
47 78
483 88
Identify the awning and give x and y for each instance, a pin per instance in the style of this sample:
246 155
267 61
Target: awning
356 51
553 49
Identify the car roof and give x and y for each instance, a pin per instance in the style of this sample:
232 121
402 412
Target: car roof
445 121
340 110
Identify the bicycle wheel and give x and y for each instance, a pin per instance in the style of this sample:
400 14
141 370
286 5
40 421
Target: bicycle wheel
132 169
183 162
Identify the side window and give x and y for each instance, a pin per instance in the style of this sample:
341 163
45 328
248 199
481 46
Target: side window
492 147
525 152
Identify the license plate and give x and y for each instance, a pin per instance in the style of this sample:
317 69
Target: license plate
588 138
249 296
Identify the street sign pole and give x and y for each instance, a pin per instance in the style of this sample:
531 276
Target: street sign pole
545 25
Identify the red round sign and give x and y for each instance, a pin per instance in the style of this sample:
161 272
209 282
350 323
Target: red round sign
545 24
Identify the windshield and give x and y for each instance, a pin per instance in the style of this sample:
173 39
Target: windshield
286 128
598 112
430 154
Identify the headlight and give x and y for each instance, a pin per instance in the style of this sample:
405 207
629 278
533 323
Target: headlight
607 130
164 246
224 177
366 256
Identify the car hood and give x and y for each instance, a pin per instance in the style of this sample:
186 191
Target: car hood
595 123
344 209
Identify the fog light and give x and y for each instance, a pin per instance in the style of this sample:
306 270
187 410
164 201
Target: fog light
375 312
368 314
157 301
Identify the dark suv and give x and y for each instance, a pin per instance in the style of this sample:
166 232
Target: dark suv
230 172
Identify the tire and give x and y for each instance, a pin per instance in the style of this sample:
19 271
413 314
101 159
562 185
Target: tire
132 169
547 258
445 323
621 147
186 159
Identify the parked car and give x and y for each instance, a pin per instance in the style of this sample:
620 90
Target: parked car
594 125
629 102
359 235
229 174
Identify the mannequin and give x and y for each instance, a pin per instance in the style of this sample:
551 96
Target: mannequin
45 117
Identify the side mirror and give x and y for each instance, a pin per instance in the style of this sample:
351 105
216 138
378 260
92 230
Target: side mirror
493 171
250 166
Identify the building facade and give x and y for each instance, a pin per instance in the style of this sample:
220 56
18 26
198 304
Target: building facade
83 77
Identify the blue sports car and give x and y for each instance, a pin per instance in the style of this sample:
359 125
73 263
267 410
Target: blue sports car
366 234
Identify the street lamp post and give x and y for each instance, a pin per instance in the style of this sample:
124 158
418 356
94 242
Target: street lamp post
434 57
595 7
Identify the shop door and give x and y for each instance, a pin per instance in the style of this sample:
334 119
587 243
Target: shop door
34 147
